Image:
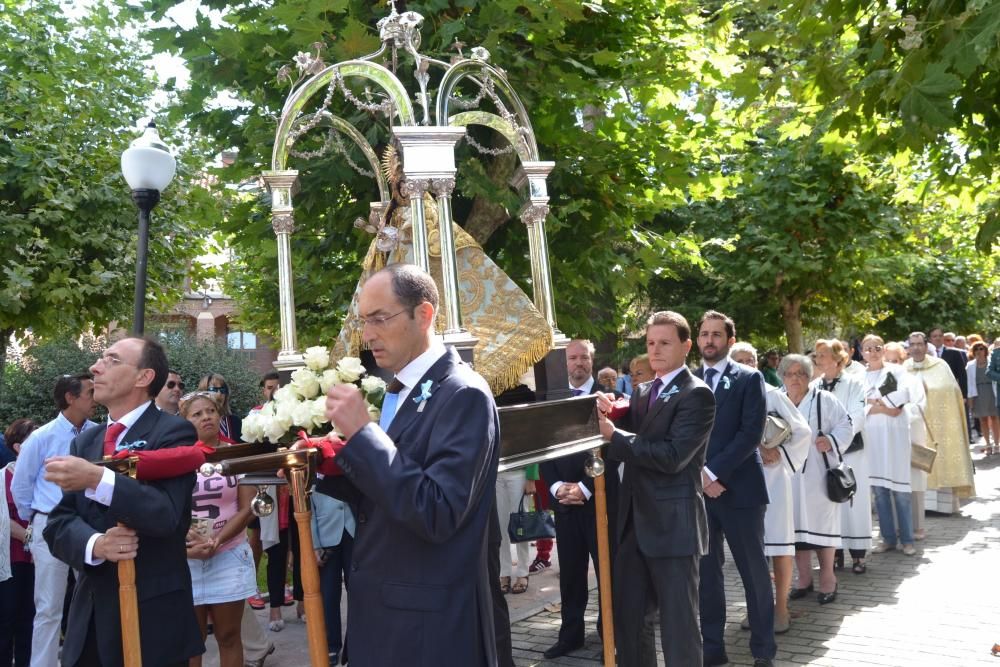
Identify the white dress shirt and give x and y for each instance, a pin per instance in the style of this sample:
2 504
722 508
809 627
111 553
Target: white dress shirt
106 488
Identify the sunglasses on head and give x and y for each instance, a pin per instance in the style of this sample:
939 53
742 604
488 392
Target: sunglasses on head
173 383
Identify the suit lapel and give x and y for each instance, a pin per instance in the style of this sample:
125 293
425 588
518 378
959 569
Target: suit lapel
678 381
407 411
722 386
143 426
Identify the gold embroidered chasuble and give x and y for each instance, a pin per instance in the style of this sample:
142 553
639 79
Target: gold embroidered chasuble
946 426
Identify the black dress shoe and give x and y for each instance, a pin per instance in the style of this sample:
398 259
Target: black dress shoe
763 662
561 648
827 598
713 660
797 593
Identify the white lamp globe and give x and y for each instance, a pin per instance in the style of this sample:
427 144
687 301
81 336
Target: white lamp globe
147 163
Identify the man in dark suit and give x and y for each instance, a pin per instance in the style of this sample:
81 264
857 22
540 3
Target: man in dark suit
576 523
954 357
104 518
422 484
736 495
662 528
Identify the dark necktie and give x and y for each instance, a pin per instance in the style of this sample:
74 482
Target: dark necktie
654 393
577 392
111 437
390 403
710 374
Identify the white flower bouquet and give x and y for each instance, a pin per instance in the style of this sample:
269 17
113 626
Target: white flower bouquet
301 404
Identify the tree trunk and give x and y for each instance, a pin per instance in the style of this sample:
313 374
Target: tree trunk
486 215
791 313
5 335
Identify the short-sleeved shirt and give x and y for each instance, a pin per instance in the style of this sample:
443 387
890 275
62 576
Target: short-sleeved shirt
216 499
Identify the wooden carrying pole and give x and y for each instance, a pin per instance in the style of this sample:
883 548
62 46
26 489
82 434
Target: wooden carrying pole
129 603
596 470
298 478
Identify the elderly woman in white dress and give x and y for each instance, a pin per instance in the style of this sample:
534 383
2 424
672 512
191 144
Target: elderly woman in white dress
887 429
780 463
832 359
817 518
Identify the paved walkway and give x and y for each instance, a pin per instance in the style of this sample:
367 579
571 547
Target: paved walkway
938 608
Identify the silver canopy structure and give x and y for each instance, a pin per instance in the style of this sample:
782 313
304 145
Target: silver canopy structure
426 127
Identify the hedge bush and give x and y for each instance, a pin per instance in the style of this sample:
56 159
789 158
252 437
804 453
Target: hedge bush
29 378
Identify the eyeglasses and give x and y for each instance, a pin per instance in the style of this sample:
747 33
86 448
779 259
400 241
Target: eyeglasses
797 374
112 360
874 348
224 390
171 384
378 321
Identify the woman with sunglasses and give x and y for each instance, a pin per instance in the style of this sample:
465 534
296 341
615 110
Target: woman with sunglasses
220 560
230 425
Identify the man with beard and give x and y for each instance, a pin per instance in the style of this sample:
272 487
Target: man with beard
945 424
735 494
576 528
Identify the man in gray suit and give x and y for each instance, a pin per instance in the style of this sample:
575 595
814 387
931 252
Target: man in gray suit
421 484
662 526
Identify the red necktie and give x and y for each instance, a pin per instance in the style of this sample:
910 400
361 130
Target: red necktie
111 437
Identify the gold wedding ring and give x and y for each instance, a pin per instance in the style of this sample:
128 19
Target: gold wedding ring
121 548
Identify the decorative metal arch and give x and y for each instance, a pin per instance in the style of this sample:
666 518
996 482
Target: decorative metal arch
428 157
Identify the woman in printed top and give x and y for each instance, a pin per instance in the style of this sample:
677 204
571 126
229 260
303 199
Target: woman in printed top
230 426
220 560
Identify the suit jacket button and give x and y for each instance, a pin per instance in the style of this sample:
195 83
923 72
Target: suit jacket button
362 517
354 567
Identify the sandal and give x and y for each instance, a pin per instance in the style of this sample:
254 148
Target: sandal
859 567
520 586
505 585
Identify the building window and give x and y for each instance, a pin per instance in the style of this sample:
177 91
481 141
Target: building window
242 340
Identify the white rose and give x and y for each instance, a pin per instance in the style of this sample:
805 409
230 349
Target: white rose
316 358
302 415
276 429
319 411
350 369
283 413
305 383
253 427
372 384
374 413
329 378
284 395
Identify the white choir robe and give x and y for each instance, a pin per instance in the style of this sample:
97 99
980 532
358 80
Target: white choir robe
817 518
856 514
779 519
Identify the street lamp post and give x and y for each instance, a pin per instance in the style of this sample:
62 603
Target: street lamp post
148 166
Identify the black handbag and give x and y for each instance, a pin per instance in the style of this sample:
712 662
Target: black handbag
840 483
526 526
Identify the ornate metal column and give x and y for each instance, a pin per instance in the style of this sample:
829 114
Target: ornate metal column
429 164
530 179
280 184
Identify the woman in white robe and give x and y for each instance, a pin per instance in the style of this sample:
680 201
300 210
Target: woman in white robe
887 432
780 463
817 518
855 515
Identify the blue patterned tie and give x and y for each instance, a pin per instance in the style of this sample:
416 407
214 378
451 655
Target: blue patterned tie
390 403
710 374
